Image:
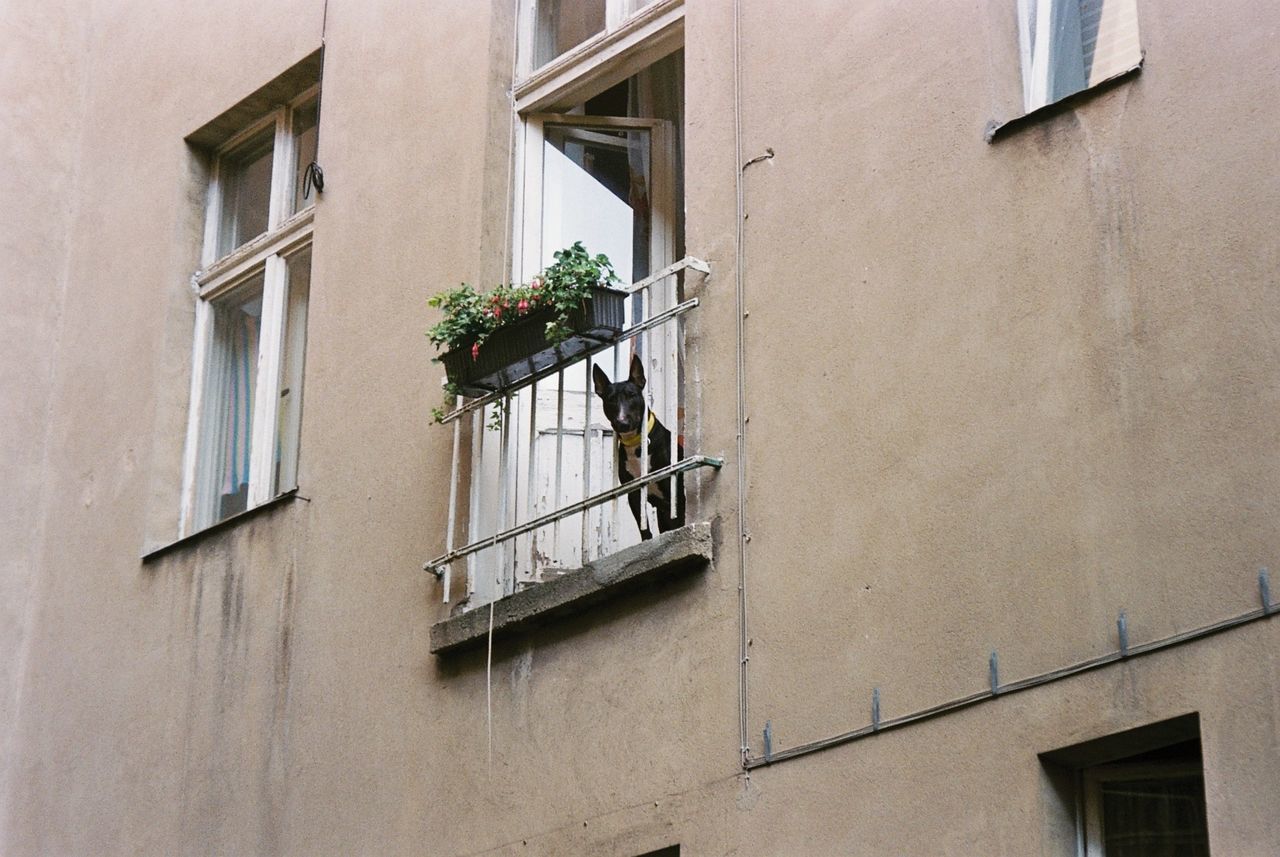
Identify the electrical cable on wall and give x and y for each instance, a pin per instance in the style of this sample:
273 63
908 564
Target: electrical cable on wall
743 641
313 176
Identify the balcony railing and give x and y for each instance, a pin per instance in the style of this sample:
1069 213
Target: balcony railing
534 480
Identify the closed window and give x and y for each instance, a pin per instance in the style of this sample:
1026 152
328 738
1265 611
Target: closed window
1152 808
1138 793
1071 45
246 393
556 27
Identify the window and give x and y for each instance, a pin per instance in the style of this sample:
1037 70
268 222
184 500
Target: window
1152 807
1071 45
1138 793
599 105
601 167
552 28
251 317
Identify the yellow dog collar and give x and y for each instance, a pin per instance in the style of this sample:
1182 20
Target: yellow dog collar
632 440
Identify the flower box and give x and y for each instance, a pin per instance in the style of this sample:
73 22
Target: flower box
515 352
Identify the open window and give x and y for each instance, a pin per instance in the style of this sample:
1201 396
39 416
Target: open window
604 171
251 307
600 112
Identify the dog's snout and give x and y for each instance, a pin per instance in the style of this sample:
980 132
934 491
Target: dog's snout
628 421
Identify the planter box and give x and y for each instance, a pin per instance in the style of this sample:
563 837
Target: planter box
514 353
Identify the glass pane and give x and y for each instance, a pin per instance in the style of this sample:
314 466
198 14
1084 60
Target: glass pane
228 408
285 476
245 179
563 24
1155 817
596 189
304 133
1109 33
1070 45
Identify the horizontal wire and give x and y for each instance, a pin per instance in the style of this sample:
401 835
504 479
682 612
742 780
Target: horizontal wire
1006 689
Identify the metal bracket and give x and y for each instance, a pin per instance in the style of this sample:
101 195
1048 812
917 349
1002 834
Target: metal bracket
993 672
875 708
1264 592
1122 630
768 740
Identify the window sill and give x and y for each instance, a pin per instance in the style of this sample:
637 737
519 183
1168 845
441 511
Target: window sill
999 130
224 524
679 551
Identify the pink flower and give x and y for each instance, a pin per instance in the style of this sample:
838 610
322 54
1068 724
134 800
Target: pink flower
475 351
523 306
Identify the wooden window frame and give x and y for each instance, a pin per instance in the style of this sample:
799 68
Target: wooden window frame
1092 823
288 233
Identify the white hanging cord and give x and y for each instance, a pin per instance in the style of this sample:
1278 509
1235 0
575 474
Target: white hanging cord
488 691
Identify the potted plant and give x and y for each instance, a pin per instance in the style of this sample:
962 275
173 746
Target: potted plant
494 339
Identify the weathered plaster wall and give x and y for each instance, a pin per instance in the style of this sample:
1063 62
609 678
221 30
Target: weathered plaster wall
997 393
41 88
133 681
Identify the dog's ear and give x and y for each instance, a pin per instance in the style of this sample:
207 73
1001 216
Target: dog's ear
637 371
601 379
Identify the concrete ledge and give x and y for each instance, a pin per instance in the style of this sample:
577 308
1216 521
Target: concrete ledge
678 551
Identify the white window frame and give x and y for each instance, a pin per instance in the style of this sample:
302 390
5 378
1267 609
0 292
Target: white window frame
632 40
1040 52
527 238
1092 842
286 235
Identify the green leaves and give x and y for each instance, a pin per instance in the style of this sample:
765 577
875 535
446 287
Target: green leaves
471 317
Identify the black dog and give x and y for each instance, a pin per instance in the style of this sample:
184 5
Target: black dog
625 407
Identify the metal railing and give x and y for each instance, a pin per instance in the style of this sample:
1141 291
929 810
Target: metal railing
524 483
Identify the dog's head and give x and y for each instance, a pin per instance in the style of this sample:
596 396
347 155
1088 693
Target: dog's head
624 401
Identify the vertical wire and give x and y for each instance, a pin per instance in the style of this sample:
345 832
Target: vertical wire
313 176
488 691
740 307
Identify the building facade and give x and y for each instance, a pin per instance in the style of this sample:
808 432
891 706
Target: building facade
980 369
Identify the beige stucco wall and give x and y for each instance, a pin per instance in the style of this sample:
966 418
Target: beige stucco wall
997 393
38 138
1041 390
